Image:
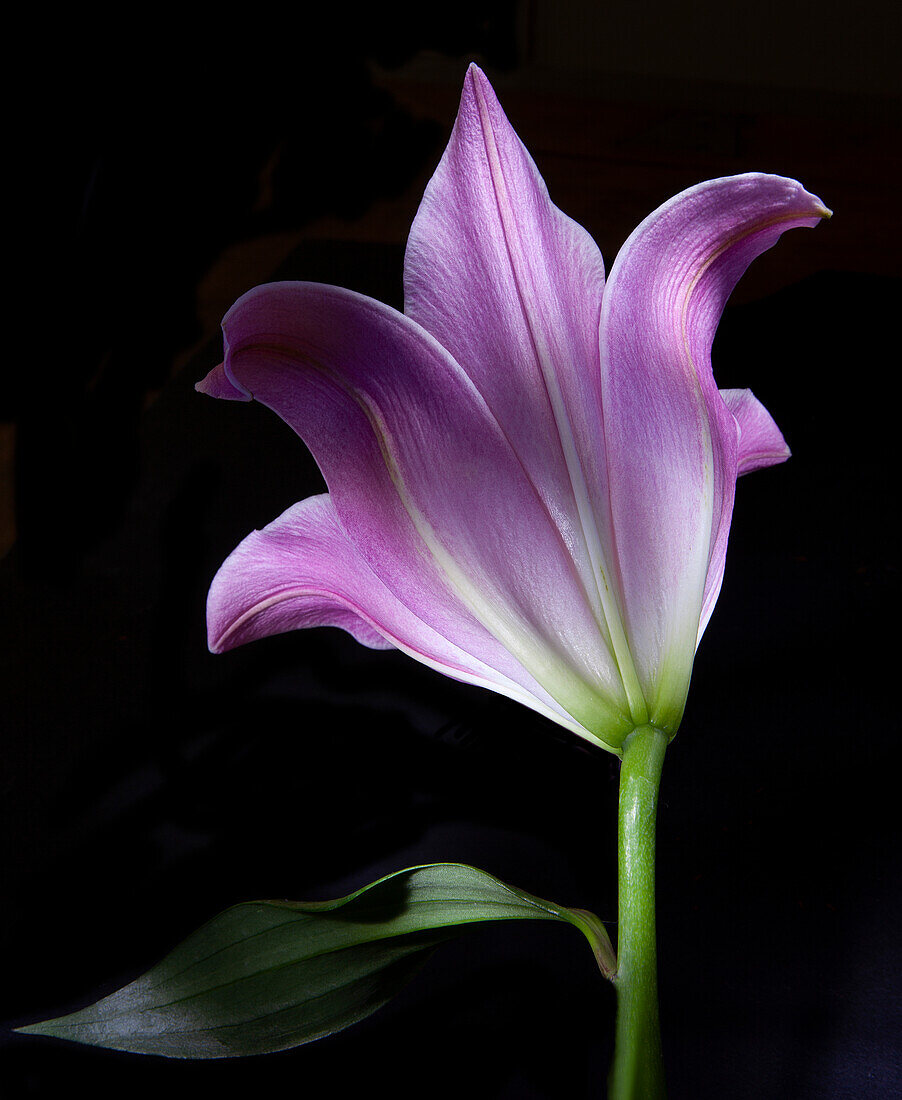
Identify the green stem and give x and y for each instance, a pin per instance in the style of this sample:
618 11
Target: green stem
638 1071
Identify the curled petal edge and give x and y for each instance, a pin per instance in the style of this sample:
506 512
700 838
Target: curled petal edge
761 442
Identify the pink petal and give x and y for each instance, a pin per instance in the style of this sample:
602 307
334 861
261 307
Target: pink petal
673 446
428 488
303 571
218 384
512 288
761 442
299 571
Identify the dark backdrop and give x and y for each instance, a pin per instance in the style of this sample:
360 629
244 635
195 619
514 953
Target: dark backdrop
147 785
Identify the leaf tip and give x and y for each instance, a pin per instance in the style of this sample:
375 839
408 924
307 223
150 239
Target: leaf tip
42 1027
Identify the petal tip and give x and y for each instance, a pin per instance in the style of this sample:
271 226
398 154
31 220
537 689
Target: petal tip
817 206
218 384
216 635
477 84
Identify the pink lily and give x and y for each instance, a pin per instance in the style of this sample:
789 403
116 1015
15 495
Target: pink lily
531 473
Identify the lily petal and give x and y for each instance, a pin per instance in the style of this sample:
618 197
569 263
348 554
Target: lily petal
672 443
512 287
427 487
299 571
218 384
302 570
761 442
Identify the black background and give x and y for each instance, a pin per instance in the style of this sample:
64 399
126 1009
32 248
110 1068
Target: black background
147 785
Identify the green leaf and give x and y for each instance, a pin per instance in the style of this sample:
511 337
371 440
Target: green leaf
268 975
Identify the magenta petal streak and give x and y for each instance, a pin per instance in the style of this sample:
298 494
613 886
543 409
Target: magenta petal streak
531 474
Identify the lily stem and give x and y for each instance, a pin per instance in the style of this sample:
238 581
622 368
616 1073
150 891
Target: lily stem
638 1070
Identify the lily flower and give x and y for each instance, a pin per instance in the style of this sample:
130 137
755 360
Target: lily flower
531 470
